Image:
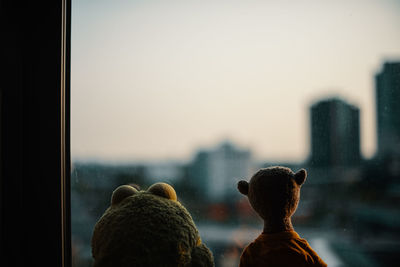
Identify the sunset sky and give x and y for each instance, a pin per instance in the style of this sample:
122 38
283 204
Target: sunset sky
155 80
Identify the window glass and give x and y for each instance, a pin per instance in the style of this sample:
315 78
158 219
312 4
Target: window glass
202 94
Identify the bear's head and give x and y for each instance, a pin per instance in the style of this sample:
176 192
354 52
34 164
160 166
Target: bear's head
274 192
147 228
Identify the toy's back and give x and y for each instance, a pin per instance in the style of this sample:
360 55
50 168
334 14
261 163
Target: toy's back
280 249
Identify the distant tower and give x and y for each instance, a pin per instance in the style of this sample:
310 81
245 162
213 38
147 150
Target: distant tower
199 171
335 134
387 84
217 171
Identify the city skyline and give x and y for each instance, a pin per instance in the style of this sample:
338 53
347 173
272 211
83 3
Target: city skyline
157 81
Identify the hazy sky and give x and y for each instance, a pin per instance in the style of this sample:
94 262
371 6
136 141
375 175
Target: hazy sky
159 79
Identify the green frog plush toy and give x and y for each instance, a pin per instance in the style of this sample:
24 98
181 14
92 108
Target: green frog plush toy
145 228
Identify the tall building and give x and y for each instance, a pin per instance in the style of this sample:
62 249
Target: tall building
387 84
218 170
198 171
335 134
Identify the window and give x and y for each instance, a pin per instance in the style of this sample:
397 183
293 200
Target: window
202 94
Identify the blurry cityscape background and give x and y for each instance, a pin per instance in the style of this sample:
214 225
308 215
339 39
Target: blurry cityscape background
349 205
201 94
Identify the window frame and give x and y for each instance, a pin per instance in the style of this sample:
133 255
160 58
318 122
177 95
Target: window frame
35 133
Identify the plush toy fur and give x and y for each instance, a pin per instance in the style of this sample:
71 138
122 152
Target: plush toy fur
147 228
274 194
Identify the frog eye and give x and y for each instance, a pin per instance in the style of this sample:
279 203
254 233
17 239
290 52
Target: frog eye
163 190
122 192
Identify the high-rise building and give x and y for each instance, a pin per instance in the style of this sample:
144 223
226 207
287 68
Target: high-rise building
217 171
387 84
335 134
198 171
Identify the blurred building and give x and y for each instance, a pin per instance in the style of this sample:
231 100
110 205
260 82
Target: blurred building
164 171
335 134
198 171
216 172
387 84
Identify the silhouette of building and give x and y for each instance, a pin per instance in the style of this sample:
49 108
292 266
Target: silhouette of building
216 172
199 171
335 134
387 84
167 171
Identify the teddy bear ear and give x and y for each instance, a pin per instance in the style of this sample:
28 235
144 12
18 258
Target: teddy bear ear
163 190
122 192
243 187
300 176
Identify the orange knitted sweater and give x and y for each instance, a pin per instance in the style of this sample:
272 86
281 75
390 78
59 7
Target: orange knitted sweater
280 249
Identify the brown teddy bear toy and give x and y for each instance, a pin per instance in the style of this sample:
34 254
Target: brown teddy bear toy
274 194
